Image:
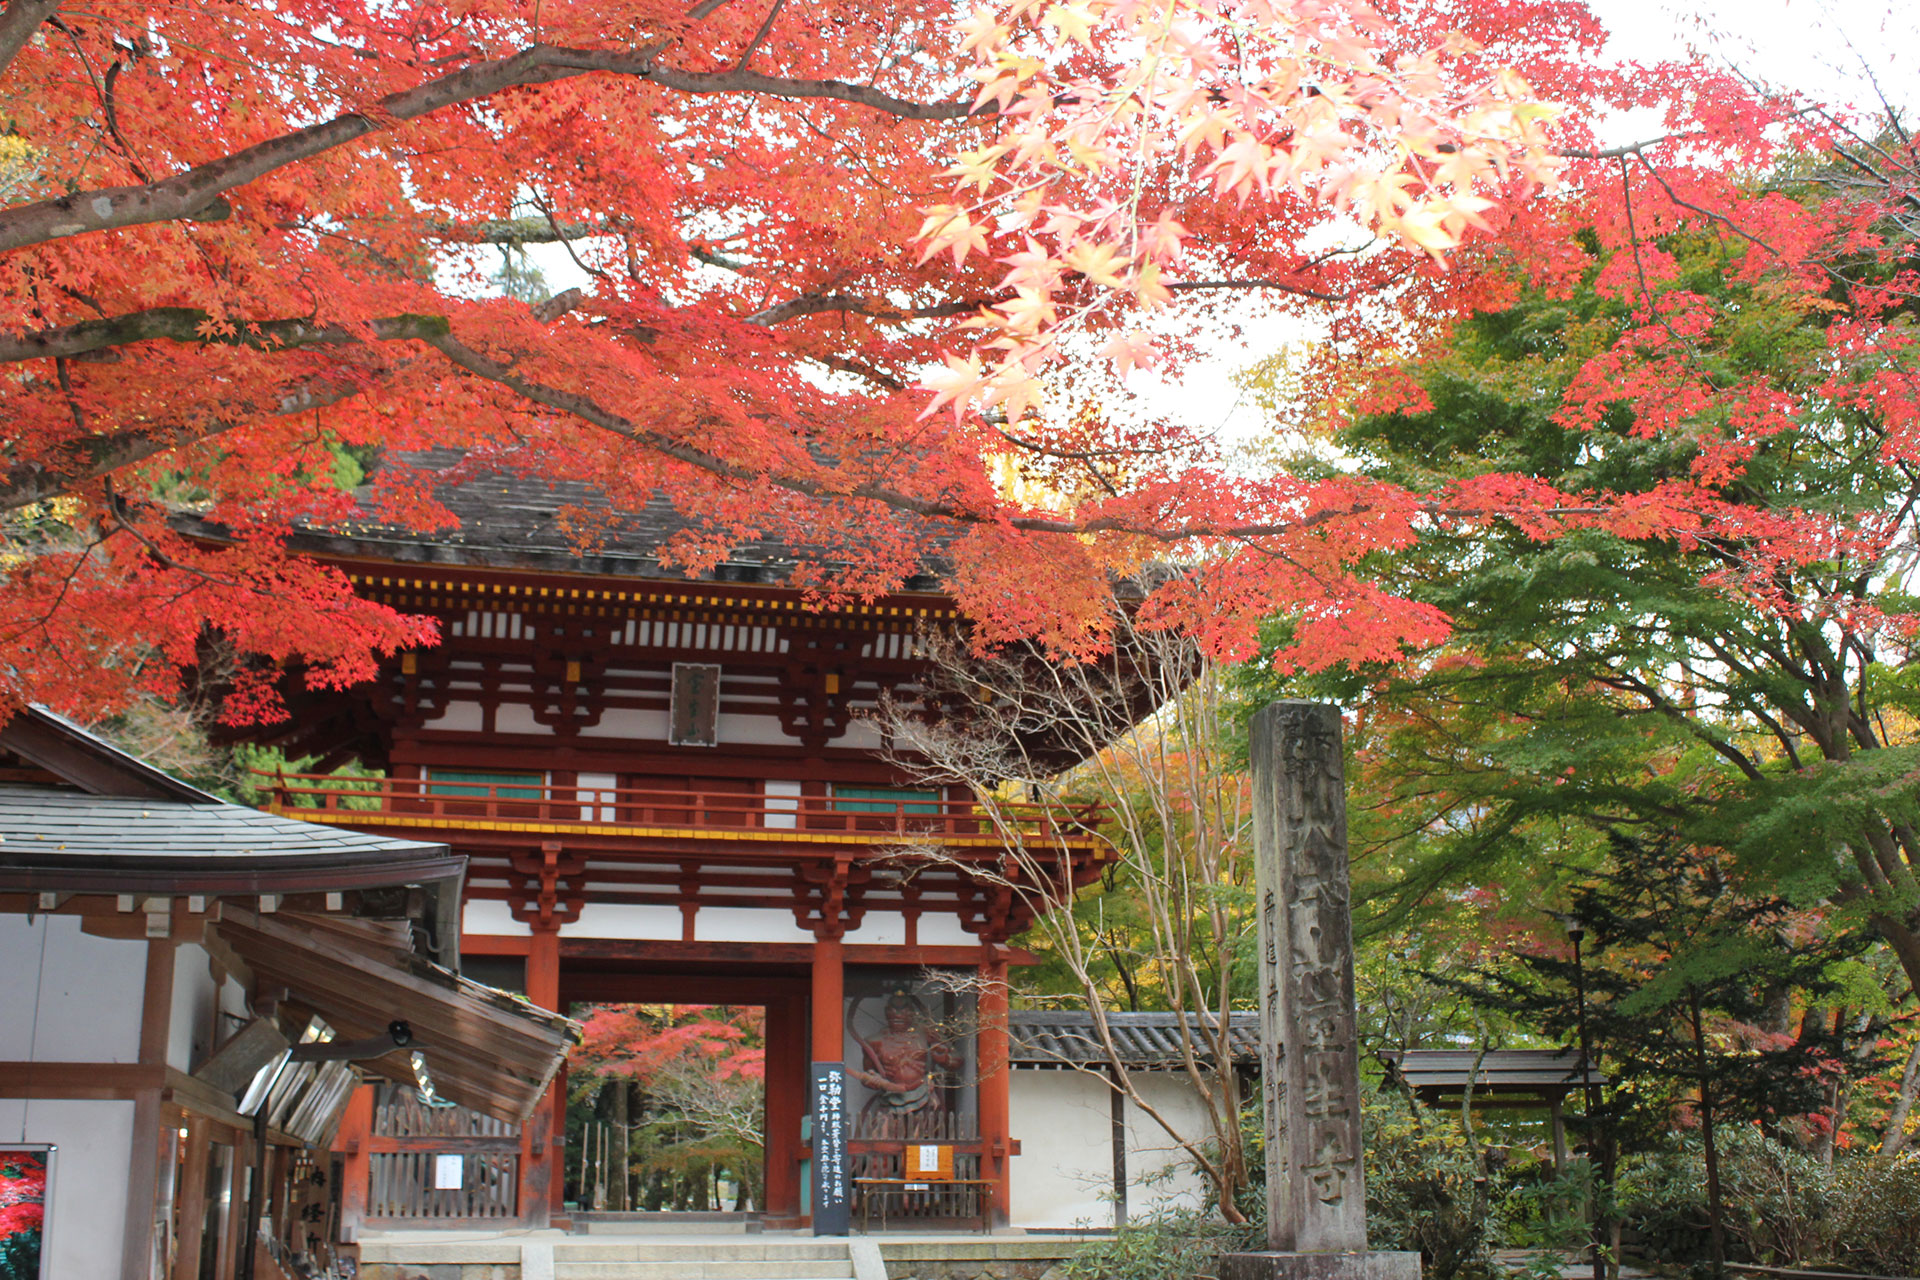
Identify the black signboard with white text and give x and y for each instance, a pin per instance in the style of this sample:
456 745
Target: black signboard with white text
832 1207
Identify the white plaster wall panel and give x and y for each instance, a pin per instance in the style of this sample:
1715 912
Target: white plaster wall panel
744 924
69 996
1160 1175
459 717
232 1013
491 624
86 1222
1063 1176
190 1027
862 734
624 722
514 717
938 929
740 727
880 928
485 915
615 920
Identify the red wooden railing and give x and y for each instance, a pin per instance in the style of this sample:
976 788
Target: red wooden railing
534 801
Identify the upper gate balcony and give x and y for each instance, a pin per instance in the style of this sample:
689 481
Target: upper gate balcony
470 809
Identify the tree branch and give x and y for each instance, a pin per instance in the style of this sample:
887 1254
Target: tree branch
199 192
813 304
188 324
191 324
18 21
97 457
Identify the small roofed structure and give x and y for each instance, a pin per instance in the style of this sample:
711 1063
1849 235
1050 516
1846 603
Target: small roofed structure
1528 1078
1499 1077
196 988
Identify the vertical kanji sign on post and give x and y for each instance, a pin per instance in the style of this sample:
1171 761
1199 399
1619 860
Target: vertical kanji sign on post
832 1207
1316 1181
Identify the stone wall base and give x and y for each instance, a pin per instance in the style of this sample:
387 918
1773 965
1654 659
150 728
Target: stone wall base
1372 1265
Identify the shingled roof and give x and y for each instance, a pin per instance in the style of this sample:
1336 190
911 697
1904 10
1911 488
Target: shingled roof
513 520
1051 1038
1434 1073
58 839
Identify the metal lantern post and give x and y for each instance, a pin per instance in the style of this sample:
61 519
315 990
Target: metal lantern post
1576 930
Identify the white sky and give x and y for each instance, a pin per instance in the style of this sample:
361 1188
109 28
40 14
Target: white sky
1822 48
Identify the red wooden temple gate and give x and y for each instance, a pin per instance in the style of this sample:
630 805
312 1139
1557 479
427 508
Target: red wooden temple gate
668 791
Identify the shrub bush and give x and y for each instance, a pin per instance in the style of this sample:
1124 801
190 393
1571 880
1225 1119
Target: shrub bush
1423 1190
1539 1209
1167 1246
1878 1227
1778 1202
1782 1206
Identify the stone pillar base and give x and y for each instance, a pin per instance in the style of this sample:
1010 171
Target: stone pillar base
1372 1265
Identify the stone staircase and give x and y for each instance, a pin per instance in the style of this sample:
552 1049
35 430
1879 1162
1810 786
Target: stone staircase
602 1255
640 1251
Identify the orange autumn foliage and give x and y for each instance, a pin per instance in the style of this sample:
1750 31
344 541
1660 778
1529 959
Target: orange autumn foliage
837 259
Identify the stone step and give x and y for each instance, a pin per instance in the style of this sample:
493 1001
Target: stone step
566 1266
771 1259
653 1225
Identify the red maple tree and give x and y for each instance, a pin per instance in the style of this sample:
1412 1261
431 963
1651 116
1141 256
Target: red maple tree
841 258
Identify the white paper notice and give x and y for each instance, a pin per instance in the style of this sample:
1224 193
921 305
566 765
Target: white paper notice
449 1173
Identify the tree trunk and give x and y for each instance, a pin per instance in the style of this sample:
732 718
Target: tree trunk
621 1198
1904 941
1716 1210
1894 1140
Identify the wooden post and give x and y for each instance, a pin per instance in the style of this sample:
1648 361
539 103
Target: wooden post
239 1170
1316 1192
556 1102
1117 1108
356 1169
143 1177
832 1203
786 1103
996 1085
538 1168
192 1201
1556 1110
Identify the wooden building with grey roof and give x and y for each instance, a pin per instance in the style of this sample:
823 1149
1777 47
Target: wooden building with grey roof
195 992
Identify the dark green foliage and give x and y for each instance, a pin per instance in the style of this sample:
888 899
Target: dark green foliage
1785 1207
20 1256
1685 977
1176 1246
1877 1228
1782 1203
1425 1190
1605 681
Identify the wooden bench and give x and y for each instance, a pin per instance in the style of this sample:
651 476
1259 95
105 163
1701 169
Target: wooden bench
882 1189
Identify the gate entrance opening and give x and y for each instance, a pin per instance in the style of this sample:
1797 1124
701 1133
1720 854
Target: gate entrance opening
666 1109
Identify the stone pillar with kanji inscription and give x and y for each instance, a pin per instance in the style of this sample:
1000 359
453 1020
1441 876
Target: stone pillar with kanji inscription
1316 1182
